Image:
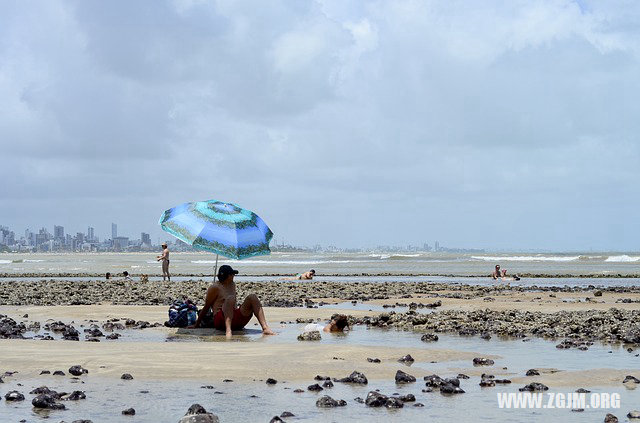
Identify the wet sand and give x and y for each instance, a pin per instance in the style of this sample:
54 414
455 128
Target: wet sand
393 316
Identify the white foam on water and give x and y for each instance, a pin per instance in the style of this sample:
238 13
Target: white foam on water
6 261
622 259
380 256
267 262
406 255
32 261
526 258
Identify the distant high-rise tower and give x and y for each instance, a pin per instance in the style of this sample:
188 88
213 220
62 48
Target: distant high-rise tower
145 238
114 231
58 232
91 233
437 247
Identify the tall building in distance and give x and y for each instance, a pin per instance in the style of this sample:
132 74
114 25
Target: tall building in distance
145 239
91 234
114 231
437 246
58 233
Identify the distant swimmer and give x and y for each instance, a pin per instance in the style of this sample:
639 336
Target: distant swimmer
165 262
502 274
306 276
126 276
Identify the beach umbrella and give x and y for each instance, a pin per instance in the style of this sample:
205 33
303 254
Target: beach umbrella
225 229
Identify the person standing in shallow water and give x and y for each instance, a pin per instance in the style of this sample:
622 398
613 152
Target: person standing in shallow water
165 262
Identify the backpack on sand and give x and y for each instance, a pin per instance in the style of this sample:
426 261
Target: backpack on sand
182 314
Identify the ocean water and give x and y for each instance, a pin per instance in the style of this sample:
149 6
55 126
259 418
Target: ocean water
601 264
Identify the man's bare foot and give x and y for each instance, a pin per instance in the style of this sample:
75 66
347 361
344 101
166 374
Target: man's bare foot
268 331
229 334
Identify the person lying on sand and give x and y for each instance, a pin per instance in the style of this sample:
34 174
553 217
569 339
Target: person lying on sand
337 324
221 300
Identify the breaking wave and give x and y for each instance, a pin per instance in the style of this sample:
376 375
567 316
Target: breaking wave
622 259
526 258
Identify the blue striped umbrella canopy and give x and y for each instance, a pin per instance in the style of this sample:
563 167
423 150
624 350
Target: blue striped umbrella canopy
222 228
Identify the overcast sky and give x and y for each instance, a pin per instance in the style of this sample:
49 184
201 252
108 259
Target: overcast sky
494 124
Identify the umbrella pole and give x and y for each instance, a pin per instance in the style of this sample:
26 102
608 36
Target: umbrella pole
215 271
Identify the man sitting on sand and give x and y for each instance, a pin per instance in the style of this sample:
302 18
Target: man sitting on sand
221 300
337 324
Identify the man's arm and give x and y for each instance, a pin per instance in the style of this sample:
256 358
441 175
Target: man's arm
210 299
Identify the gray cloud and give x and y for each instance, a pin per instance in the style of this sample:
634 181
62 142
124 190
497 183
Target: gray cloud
501 125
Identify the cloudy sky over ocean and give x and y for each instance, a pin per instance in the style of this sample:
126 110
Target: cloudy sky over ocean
496 124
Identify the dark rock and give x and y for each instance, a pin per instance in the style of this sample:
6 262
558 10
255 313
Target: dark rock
429 337
582 391
318 377
113 336
406 359
327 384
45 372
418 404
78 370
393 402
354 377
328 402
271 381
298 391
47 401
402 377
58 373
315 388
75 396
433 381
450 388
533 372
375 399
407 398
373 360
126 376
478 361
630 378
486 383
634 414
310 336
46 391
610 418
534 386
129 412
14 396
597 293
276 419
196 409
287 414
94 332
